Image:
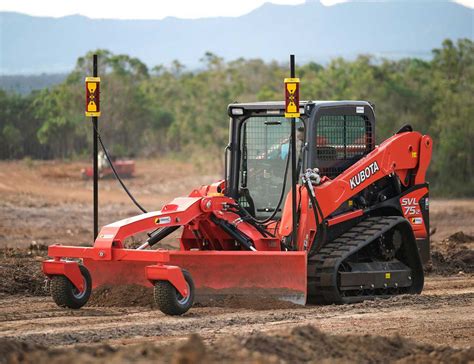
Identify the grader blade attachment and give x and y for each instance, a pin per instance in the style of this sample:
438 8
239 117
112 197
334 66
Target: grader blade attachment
280 275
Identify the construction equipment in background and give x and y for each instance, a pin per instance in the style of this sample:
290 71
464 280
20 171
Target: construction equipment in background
362 218
125 168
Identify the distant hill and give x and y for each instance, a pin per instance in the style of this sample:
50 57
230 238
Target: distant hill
314 32
24 84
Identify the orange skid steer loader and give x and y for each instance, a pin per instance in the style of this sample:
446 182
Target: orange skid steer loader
361 215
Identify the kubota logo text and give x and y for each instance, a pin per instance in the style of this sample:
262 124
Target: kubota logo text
364 174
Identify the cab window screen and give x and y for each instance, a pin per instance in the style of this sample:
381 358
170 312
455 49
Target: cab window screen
341 141
264 149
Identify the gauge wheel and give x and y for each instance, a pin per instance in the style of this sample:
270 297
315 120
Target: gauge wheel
169 300
65 294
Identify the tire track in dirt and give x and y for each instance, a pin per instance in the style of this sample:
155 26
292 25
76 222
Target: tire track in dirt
433 318
46 202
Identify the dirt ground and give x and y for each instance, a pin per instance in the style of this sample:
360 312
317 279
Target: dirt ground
48 202
45 202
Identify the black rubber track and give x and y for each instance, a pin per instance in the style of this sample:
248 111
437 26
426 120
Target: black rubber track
62 290
167 297
323 267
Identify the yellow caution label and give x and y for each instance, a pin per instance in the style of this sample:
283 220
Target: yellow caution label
92 96
387 275
414 154
292 98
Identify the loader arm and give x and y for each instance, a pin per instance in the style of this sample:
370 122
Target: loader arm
406 154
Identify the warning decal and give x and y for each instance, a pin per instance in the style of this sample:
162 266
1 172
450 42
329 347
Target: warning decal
92 96
292 97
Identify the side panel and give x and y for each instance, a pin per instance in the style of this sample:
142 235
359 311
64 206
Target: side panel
413 211
415 208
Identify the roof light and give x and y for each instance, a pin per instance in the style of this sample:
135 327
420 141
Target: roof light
237 111
274 112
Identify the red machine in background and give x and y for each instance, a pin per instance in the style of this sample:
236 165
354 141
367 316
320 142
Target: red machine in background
125 168
362 218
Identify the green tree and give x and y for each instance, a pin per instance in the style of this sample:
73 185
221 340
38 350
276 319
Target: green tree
172 109
453 80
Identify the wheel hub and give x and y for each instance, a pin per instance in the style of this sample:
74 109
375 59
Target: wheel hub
80 294
184 300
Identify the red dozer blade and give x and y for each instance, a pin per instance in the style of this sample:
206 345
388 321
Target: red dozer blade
215 274
182 275
280 275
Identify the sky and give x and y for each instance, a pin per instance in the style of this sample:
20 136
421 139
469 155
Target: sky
149 9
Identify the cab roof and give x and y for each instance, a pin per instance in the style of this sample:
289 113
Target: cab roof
280 105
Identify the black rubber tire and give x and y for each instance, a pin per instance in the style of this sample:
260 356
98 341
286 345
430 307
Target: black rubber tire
65 294
167 298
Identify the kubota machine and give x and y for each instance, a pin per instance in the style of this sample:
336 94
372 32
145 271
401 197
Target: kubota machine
361 218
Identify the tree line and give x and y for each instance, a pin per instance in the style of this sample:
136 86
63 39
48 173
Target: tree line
172 110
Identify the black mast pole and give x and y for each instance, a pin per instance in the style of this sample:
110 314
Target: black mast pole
96 162
293 163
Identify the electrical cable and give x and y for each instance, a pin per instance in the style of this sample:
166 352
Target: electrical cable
321 227
116 174
268 219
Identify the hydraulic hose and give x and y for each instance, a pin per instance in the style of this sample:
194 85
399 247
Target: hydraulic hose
268 219
158 235
116 174
321 227
230 229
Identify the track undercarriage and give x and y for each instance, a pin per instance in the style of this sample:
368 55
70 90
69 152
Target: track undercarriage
376 258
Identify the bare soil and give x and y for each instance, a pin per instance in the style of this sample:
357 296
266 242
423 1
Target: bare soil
46 202
299 344
452 255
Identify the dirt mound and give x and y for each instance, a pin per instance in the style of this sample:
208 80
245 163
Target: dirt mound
122 296
15 351
20 270
452 255
139 296
247 302
303 344
460 237
192 351
306 344
460 262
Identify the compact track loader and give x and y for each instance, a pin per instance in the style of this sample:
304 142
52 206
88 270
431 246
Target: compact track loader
361 217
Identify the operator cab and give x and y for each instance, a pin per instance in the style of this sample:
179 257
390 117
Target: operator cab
330 135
